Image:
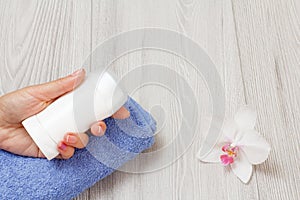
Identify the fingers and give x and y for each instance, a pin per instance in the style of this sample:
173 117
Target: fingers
65 151
79 140
99 128
54 89
66 148
71 141
122 113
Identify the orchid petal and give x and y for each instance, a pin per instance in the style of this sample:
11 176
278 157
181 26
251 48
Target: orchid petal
255 147
230 130
242 168
245 118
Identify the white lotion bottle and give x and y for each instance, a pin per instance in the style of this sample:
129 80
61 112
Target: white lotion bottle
98 97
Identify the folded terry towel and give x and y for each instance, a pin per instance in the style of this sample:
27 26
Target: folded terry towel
34 178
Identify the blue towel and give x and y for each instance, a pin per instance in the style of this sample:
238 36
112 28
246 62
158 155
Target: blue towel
35 178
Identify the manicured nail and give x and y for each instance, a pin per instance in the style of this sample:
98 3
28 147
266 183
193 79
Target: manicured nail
62 146
100 130
77 72
71 139
97 130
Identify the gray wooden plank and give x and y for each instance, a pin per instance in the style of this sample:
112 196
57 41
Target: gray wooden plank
255 45
41 41
270 65
211 25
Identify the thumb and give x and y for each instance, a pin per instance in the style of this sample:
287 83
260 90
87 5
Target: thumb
57 88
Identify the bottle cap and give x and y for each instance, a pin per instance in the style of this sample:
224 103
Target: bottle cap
41 137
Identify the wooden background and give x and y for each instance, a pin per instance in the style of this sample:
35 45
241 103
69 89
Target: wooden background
255 45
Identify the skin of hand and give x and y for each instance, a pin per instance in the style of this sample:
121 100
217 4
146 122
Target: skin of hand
21 104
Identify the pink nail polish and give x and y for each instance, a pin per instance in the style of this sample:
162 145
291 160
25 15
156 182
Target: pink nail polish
102 87
71 139
62 146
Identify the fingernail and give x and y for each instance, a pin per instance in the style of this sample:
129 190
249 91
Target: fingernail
77 72
100 130
71 139
62 146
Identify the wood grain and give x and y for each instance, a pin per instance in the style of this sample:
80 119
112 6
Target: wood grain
254 44
187 178
41 41
271 75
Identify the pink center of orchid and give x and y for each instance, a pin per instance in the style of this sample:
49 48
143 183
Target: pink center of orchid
230 153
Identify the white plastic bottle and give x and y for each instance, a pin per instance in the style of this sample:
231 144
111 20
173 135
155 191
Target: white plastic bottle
97 98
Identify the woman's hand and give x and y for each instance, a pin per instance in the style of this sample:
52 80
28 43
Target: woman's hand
21 104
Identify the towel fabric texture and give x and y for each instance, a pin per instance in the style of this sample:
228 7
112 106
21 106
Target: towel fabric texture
35 178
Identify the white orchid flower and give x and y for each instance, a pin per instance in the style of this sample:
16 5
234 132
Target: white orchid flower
240 146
